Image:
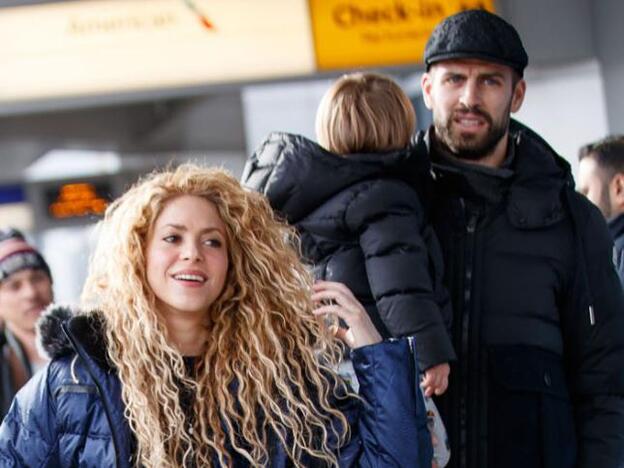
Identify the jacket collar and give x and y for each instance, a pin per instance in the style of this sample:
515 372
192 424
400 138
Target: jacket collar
17 349
533 190
616 227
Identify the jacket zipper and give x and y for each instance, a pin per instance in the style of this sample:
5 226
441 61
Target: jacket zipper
99 391
471 226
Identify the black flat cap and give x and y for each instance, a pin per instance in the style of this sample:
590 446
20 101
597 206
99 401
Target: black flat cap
476 34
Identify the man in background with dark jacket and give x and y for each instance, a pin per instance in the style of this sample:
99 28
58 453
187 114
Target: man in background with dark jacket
25 291
538 320
601 180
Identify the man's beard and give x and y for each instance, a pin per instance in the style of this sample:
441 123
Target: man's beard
470 146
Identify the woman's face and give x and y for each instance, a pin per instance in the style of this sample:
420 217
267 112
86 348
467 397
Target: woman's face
187 256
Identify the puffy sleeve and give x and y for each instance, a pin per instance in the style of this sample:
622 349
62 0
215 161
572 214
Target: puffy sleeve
593 329
388 425
404 266
28 432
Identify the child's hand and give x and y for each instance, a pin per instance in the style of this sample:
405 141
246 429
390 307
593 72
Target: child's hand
436 379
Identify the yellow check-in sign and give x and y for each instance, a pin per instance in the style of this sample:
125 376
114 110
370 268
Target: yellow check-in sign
364 33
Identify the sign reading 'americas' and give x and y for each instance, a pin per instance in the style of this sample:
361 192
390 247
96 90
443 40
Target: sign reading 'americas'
106 47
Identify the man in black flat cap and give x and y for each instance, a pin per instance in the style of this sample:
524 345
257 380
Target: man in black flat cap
538 321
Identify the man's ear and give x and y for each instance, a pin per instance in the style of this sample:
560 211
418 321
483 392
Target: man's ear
517 98
616 191
425 84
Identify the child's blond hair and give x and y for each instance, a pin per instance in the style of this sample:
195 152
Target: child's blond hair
365 113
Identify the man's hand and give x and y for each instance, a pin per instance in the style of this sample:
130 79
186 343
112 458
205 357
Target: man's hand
436 380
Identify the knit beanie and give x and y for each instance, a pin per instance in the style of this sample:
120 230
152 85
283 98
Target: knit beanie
16 254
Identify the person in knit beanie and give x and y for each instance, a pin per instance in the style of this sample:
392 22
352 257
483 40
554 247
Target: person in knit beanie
25 291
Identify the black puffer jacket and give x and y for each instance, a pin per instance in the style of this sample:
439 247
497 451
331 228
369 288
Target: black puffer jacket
538 319
361 225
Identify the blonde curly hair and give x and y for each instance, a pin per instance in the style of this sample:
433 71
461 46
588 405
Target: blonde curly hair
268 371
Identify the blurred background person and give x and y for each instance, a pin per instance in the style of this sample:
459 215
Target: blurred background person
601 180
25 291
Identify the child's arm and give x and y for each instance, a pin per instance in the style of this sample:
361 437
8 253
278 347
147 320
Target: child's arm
389 220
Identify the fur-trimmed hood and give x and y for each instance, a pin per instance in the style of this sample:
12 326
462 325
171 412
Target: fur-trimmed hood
63 330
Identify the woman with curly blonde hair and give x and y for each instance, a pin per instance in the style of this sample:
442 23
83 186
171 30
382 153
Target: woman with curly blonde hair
200 344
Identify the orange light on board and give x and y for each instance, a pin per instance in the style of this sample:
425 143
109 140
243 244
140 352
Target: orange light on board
76 200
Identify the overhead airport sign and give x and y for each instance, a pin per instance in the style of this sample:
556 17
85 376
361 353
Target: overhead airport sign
93 47
54 51
360 33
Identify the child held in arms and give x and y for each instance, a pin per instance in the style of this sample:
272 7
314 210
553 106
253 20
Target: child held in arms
353 199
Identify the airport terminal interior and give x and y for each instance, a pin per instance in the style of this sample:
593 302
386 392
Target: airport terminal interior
94 93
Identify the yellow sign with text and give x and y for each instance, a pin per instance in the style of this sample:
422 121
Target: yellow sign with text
360 33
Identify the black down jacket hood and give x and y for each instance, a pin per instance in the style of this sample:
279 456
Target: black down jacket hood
297 175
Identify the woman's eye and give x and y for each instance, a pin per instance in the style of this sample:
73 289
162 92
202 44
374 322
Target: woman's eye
171 239
213 242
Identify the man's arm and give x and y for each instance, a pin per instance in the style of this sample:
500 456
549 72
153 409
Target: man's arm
593 328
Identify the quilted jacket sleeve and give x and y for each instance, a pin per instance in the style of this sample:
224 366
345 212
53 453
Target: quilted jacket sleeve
28 432
593 328
404 266
389 425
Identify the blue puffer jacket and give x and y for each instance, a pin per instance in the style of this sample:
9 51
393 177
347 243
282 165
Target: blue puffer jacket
71 414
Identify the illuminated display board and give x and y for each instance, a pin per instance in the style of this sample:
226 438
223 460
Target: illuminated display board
356 33
102 47
77 200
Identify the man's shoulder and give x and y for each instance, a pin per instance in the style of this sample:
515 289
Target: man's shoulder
536 158
616 228
583 209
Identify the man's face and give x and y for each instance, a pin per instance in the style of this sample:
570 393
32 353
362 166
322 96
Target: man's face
471 101
23 296
593 182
